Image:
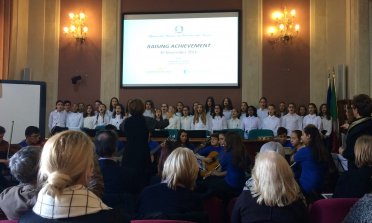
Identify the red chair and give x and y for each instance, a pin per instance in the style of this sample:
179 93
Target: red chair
331 210
231 205
216 210
160 221
9 221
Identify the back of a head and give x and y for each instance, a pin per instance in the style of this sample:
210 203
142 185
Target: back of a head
363 103
105 143
363 151
273 180
65 158
316 144
234 142
32 130
273 146
136 107
24 165
180 169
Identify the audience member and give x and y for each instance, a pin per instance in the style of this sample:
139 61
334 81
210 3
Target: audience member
274 195
361 211
65 167
273 146
357 182
24 166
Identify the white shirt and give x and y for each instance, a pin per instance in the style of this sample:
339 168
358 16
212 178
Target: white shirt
199 125
302 121
281 118
179 114
74 120
186 122
233 123
110 113
262 114
327 125
227 114
272 123
249 123
149 114
164 115
101 121
174 122
116 121
312 119
57 119
217 123
89 122
291 123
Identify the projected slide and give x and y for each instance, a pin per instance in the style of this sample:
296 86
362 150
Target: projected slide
190 49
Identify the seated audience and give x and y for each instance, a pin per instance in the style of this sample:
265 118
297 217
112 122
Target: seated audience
282 134
32 134
361 211
274 195
24 166
273 146
66 165
312 159
117 179
113 129
357 182
175 194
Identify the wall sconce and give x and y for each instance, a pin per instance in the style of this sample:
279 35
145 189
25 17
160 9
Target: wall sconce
284 22
77 30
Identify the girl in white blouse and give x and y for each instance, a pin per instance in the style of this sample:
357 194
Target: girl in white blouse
158 115
74 119
89 117
209 107
271 122
113 102
150 109
102 118
302 113
262 112
199 121
312 117
218 120
227 107
291 121
118 117
327 126
179 109
250 122
234 122
243 111
186 120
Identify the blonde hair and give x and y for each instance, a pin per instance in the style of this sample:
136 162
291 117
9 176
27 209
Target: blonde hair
273 180
180 169
65 158
203 116
363 151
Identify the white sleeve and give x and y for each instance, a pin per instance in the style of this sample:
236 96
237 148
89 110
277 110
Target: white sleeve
224 123
50 121
259 126
178 123
299 124
242 125
276 127
81 121
192 125
209 124
283 124
67 122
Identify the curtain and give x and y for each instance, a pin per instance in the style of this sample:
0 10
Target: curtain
6 11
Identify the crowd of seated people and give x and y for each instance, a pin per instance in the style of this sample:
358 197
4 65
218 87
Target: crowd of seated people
72 179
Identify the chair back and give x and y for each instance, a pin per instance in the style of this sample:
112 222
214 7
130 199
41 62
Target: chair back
230 206
215 209
331 210
255 133
160 221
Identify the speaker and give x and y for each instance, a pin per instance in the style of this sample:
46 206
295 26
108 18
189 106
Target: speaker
341 82
27 74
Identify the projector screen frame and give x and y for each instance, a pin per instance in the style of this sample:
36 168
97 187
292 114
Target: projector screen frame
176 86
42 114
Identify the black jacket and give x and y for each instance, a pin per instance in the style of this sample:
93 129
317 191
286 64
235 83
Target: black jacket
354 183
151 124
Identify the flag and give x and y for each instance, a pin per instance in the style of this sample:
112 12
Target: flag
333 107
329 94
334 116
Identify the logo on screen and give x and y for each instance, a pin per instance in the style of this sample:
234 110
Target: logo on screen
179 29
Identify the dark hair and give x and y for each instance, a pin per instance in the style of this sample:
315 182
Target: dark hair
299 108
112 107
2 130
110 127
127 108
161 114
98 101
285 110
292 104
316 144
328 117
103 118
229 106
122 113
265 100
221 111
67 101
177 106
187 109
178 143
316 109
165 152
24 165
254 110
215 135
363 103
234 142
136 107
207 109
32 130
105 143
86 113
276 114
59 101
282 130
298 133
192 112
240 111
152 106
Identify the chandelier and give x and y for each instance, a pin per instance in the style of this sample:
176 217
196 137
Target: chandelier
77 30
284 23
